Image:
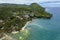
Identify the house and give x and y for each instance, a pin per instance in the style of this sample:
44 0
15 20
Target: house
1 21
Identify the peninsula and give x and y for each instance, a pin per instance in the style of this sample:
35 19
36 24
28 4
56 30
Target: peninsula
14 16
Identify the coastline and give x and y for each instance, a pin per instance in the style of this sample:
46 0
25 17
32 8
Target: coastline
25 25
22 29
6 37
14 32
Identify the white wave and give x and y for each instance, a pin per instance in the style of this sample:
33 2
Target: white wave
36 25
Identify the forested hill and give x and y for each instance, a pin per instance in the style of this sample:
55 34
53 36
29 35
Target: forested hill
14 16
9 4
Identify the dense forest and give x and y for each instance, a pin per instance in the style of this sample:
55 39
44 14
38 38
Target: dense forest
15 16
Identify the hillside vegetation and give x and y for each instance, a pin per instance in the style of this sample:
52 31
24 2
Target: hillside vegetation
14 16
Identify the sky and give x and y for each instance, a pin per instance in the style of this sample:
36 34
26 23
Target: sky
53 2
24 1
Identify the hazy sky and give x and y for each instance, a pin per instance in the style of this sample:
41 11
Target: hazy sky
54 3
24 1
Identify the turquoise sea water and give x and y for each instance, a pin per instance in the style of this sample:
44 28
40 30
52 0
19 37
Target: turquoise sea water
42 29
45 29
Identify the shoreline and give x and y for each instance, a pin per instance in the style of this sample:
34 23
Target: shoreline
25 25
14 32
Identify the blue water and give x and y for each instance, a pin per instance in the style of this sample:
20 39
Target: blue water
45 29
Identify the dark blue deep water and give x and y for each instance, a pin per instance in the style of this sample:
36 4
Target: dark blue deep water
45 29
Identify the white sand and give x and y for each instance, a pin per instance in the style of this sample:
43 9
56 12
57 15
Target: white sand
14 32
25 25
6 37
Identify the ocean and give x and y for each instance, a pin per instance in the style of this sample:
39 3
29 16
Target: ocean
46 29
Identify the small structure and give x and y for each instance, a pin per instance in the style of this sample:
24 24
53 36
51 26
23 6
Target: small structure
1 21
32 14
14 13
19 17
26 16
